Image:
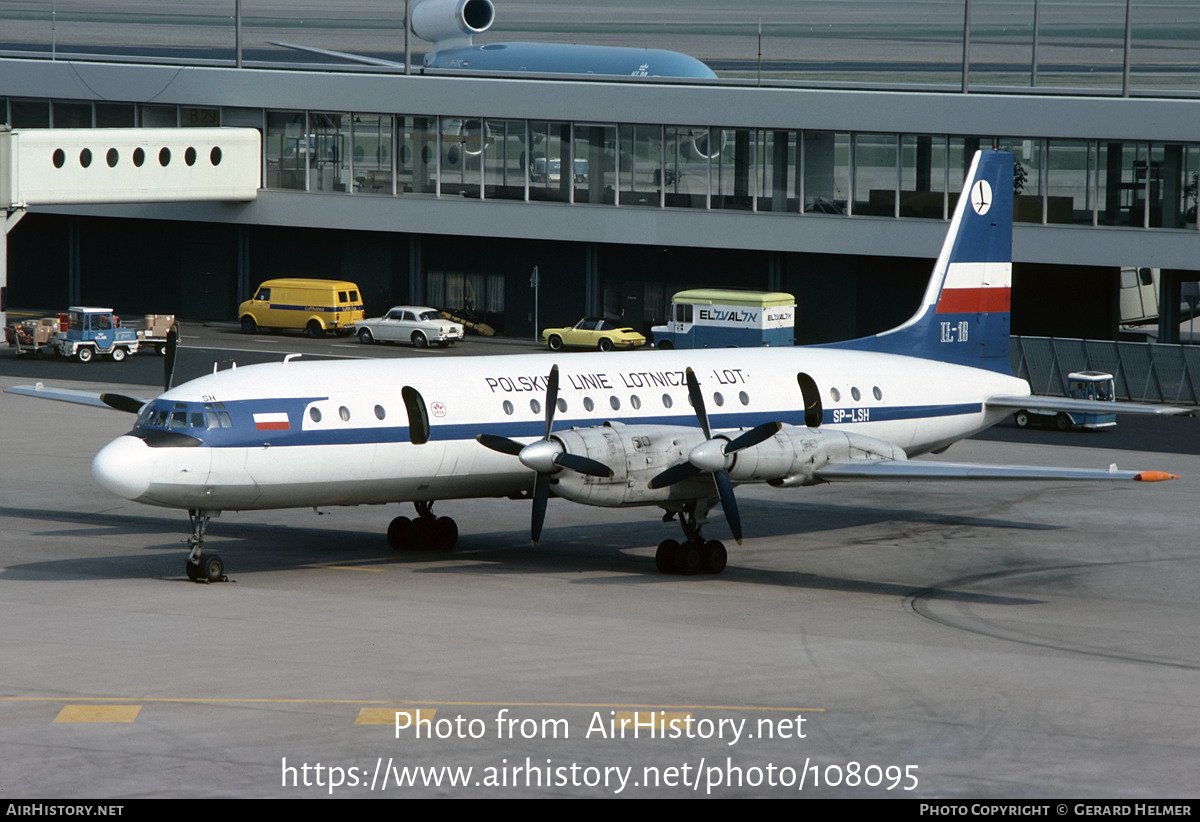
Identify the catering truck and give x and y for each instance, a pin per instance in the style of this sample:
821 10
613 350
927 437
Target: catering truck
726 318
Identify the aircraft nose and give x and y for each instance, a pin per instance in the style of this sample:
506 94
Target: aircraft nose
122 467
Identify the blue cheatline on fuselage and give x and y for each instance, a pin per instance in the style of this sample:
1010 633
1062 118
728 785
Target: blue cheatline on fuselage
244 431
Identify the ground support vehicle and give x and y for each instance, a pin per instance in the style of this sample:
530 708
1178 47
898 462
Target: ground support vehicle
1082 385
727 318
33 336
315 306
93 332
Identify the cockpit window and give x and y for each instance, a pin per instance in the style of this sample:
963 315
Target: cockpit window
180 415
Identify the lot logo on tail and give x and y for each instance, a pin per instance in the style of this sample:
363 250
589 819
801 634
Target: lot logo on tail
981 197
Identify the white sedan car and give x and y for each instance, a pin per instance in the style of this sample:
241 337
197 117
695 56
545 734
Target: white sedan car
419 325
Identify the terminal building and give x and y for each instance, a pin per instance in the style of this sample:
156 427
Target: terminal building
453 189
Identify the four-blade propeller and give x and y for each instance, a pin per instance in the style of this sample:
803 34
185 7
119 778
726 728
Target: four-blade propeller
546 457
714 456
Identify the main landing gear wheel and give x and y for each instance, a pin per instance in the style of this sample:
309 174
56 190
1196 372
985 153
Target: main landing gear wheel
425 533
691 558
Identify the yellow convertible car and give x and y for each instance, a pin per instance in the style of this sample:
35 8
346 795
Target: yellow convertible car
592 332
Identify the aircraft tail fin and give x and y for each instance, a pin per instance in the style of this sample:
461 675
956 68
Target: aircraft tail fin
964 315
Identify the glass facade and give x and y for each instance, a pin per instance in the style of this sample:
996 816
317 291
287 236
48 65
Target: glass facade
858 174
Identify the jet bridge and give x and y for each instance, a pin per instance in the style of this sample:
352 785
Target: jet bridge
122 165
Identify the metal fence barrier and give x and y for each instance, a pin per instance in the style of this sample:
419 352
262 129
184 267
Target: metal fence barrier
1146 372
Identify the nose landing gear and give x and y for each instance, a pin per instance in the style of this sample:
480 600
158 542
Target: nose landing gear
202 567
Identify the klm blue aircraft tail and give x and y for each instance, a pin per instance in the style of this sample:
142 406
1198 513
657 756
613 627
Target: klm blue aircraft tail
964 316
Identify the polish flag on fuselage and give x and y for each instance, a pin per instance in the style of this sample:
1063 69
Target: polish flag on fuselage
271 421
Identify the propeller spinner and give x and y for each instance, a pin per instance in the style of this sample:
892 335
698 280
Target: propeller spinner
544 456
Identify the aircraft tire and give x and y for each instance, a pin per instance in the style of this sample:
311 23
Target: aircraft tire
714 557
397 533
445 534
212 569
420 534
192 570
665 558
690 559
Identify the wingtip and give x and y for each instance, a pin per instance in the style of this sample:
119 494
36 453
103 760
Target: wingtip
1155 476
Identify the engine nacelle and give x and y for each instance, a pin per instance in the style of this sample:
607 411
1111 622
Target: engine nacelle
638 453
635 453
809 450
452 22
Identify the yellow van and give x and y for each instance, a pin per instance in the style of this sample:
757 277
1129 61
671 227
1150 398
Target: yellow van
316 306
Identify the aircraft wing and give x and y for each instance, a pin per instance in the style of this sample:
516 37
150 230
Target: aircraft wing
341 55
41 391
907 470
1043 403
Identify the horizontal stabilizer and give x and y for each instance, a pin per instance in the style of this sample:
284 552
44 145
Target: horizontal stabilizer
906 470
1042 403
